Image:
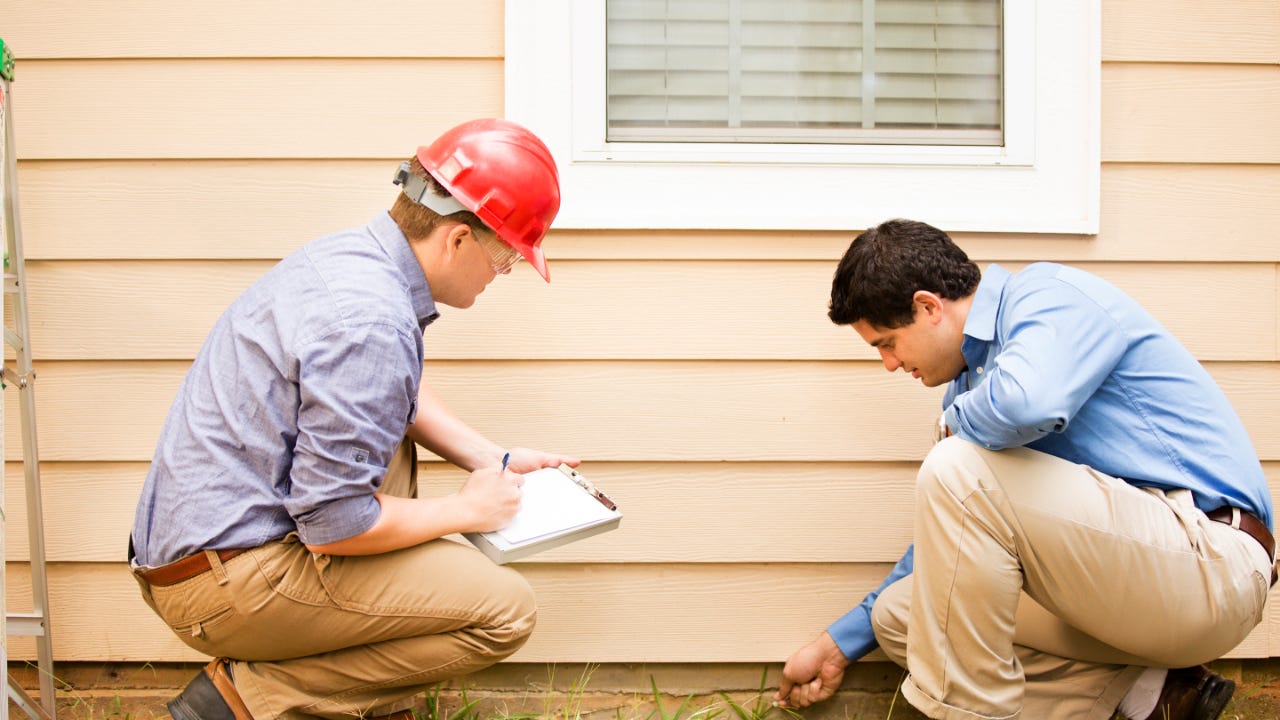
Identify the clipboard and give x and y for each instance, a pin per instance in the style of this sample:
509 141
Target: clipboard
560 506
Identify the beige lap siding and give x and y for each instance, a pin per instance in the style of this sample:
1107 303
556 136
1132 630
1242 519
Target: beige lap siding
170 154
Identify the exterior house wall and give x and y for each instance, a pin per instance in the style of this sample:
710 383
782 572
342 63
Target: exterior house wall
170 153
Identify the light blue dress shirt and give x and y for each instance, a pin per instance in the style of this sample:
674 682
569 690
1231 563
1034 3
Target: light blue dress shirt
296 403
1063 362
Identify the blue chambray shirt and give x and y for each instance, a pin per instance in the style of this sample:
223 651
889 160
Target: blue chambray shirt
1063 362
296 403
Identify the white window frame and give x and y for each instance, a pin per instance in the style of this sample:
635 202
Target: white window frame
1044 179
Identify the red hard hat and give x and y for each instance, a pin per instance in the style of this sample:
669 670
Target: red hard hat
505 175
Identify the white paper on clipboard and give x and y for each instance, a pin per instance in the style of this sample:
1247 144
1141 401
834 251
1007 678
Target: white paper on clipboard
559 506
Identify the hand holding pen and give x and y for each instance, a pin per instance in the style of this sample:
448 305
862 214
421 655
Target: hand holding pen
491 497
524 460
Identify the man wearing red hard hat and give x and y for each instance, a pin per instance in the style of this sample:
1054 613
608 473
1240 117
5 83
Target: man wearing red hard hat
279 528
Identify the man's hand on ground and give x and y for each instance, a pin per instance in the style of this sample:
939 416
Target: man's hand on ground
812 673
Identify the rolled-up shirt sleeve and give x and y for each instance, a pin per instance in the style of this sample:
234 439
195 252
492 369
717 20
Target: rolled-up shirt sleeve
1057 348
356 391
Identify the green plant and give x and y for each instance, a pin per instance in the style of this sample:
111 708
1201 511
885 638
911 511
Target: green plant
1245 695
117 710
659 711
435 709
896 689
571 708
577 692
762 707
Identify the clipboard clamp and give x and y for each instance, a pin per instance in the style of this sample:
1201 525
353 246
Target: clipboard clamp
585 484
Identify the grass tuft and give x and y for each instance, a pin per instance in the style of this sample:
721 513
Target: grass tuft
762 706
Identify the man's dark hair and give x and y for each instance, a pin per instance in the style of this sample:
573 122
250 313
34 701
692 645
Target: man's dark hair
885 266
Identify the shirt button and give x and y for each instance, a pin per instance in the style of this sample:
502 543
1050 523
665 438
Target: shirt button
979 371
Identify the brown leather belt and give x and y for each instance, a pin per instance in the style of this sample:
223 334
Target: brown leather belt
1253 527
186 568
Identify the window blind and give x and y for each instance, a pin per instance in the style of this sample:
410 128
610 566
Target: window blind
804 71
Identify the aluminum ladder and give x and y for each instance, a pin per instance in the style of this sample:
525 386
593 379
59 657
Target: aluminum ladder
22 376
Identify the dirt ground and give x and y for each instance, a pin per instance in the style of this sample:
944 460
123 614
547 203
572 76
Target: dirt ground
133 691
1257 694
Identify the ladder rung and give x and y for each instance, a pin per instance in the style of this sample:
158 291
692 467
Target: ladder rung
13 339
24 624
26 702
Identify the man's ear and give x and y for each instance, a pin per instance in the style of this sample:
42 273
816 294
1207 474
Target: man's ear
454 236
929 303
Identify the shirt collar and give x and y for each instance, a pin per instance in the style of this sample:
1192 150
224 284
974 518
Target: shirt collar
396 245
980 325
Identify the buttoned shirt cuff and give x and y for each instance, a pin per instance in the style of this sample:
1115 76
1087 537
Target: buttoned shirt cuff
853 633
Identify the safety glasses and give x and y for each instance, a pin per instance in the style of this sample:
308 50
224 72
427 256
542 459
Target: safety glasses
502 257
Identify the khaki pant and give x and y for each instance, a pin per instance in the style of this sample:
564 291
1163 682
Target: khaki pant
340 637
1041 588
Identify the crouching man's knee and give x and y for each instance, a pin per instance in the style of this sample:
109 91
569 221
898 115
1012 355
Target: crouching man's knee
516 614
953 468
889 617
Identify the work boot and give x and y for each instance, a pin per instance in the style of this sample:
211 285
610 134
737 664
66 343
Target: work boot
210 696
1193 693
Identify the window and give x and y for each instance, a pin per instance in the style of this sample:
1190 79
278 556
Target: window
990 125
804 71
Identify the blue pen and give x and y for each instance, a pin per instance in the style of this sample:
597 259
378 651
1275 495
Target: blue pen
505 459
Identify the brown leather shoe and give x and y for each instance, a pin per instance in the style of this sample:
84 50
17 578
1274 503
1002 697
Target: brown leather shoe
210 696
1193 693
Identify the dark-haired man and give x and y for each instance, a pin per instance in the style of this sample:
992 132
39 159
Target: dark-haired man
1097 515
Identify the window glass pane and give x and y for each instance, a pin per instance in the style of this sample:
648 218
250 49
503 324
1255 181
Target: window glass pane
805 71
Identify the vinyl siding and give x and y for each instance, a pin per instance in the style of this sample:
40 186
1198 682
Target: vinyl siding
170 153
